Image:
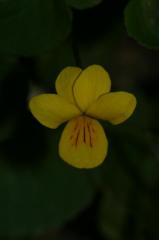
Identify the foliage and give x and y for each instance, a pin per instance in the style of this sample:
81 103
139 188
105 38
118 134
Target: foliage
39 192
142 21
32 27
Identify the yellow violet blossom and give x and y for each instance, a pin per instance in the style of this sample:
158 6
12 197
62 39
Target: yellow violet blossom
82 97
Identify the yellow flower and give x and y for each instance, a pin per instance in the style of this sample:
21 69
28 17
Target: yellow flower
82 96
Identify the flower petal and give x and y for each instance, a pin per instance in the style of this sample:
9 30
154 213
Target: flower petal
65 80
91 83
115 107
51 110
83 143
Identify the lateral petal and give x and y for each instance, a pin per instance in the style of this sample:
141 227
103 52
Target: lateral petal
83 143
91 83
65 80
115 107
52 110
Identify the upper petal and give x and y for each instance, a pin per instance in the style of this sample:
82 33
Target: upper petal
91 83
51 110
83 143
65 80
115 107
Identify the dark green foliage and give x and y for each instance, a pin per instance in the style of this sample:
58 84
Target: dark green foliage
39 192
32 27
142 21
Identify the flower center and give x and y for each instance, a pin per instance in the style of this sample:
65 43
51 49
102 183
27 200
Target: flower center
83 132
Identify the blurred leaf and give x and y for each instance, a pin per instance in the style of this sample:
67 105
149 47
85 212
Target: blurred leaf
142 21
129 173
117 187
82 4
146 215
38 190
32 27
112 216
135 215
142 159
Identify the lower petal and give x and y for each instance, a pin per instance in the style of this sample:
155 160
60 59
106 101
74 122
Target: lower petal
83 143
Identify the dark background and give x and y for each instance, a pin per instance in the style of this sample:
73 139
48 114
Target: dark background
42 197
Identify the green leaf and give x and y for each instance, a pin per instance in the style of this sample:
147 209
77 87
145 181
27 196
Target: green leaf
112 216
130 170
146 214
143 159
142 22
32 27
117 187
38 191
83 4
